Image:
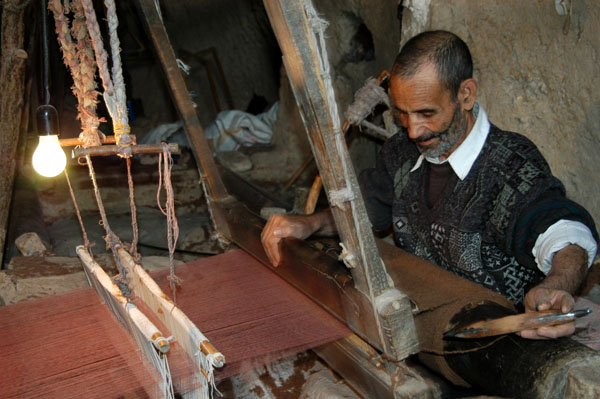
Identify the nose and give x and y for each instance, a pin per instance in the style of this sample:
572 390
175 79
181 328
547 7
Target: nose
414 125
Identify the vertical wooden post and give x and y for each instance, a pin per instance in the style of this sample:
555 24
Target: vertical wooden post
214 187
12 87
297 29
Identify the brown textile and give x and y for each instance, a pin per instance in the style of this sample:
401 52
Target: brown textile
69 346
439 296
247 312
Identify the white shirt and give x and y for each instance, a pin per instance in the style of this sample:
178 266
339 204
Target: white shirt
556 237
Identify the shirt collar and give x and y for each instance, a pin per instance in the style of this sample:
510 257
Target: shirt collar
463 157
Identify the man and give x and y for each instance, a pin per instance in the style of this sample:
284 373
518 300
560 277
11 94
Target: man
463 194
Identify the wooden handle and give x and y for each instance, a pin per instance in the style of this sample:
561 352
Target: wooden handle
515 323
313 195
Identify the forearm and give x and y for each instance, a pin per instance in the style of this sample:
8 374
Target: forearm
569 269
323 223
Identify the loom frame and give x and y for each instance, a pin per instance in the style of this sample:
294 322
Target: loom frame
366 300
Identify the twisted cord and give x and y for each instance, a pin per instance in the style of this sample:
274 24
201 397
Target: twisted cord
87 82
112 241
101 54
164 172
134 225
117 72
81 66
86 242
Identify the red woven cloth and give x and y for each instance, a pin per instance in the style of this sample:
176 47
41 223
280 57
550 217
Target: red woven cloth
249 313
72 346
69 346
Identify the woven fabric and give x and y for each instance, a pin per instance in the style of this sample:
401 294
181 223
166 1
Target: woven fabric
69 346
249 313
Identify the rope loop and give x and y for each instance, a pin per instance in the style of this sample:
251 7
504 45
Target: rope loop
347 257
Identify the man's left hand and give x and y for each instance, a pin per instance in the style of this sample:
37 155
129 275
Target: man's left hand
539 298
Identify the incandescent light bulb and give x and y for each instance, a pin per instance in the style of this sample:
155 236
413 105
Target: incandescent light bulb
49 159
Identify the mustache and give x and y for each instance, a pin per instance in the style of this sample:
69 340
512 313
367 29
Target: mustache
429 136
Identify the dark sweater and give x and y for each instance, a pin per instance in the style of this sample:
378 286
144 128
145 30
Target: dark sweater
482 228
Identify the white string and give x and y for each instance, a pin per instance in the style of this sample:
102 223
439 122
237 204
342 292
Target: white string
117 73
138 328
340 197
206 363
183 66
157 6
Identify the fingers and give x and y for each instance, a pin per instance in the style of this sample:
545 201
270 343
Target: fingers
567 303
538 299
270 237
552 332
279 227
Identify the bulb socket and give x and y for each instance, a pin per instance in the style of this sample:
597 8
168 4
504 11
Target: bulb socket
46 118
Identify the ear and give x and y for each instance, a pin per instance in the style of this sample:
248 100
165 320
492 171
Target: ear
467 94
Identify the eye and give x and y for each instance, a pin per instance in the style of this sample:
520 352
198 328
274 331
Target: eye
398 113
427 114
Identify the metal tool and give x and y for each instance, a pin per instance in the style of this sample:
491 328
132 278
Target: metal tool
514 323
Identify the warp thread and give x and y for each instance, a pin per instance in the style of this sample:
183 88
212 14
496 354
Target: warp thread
73 349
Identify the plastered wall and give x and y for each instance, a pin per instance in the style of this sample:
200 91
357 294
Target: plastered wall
537 76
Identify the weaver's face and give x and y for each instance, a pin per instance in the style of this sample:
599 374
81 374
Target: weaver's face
429 112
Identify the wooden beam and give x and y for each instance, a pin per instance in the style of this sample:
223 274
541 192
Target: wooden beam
180 326
305 61
73 142
215 190
107 150
13 64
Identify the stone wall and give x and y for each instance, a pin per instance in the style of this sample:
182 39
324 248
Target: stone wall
535 76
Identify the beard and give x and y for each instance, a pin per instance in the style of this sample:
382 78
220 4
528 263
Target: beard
447 138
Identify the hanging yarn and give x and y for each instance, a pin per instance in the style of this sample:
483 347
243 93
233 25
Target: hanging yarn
114 87
134 226
77 56
165 163
365 100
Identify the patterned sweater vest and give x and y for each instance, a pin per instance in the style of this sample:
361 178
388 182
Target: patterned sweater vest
481 228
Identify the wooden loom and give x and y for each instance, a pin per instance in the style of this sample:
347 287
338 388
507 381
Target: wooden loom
366 299
185 333
388 326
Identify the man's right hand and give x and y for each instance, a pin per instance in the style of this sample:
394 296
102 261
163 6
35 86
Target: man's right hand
301 227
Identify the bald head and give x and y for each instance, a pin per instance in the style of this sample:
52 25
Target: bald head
446 51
